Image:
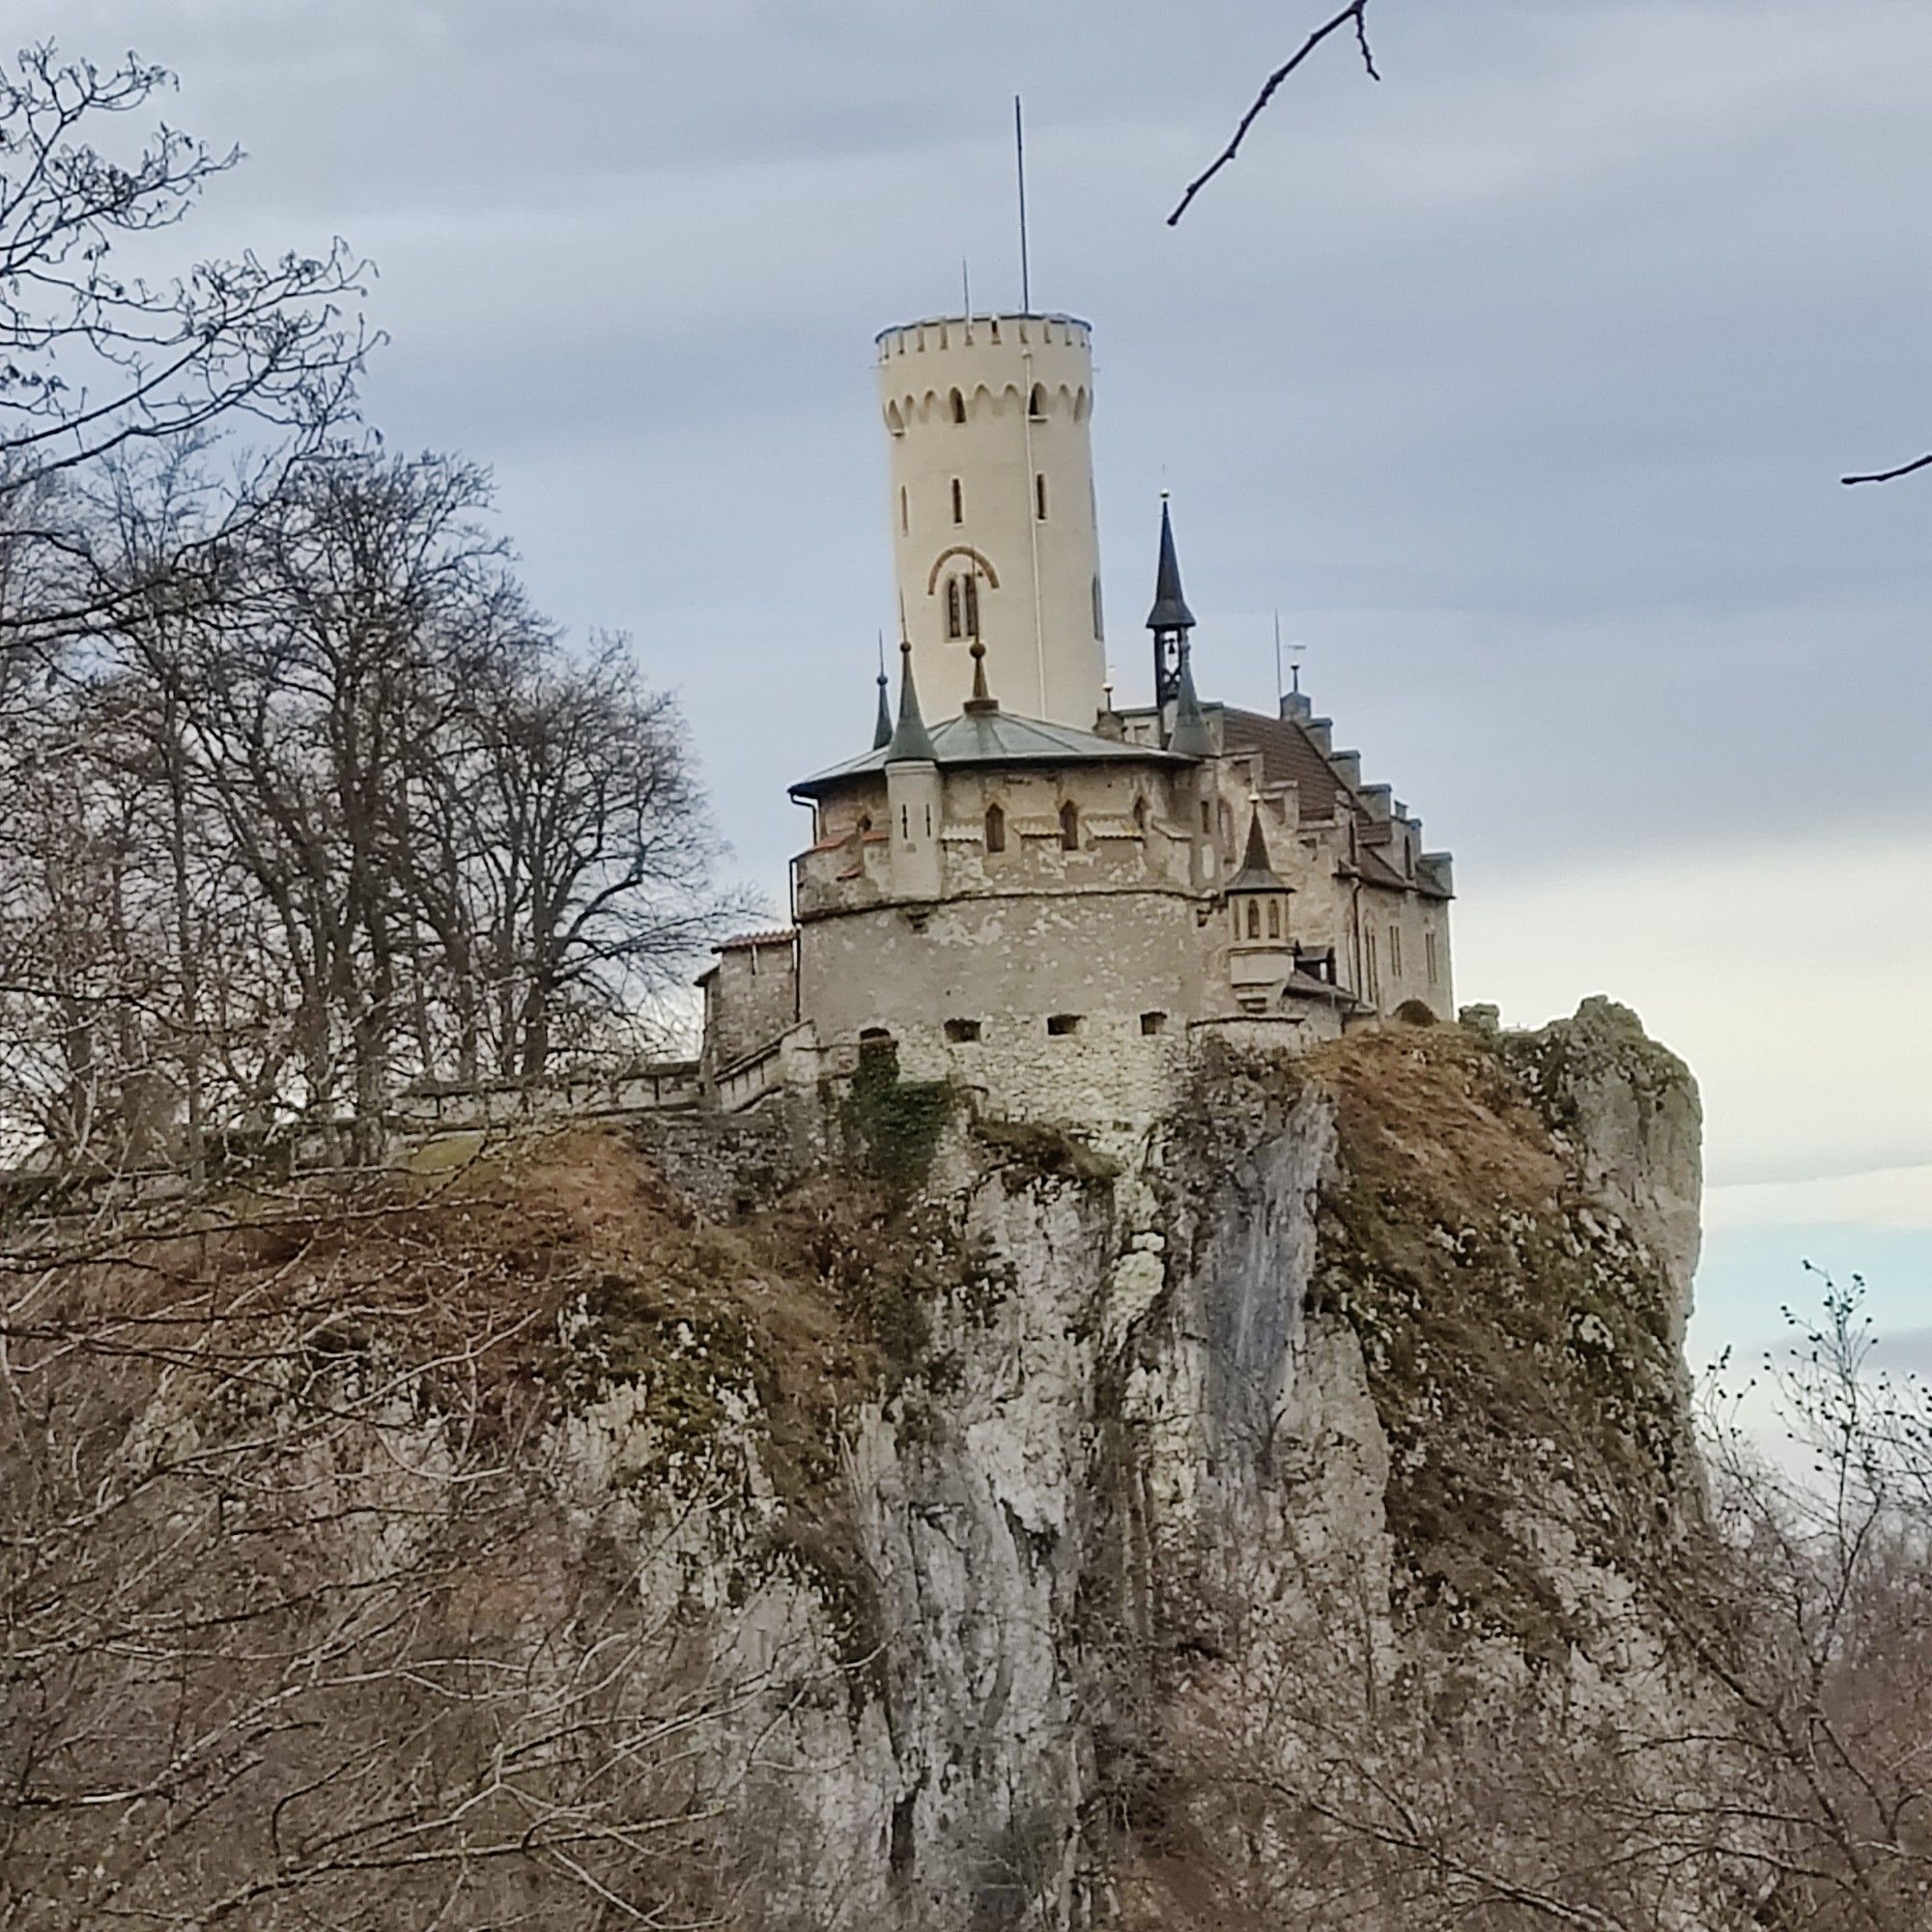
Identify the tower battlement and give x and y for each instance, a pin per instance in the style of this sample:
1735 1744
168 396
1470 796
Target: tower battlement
948 333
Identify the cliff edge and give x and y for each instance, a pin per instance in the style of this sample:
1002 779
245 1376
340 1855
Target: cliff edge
972 1530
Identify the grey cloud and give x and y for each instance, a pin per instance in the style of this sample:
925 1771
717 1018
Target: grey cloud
1518 382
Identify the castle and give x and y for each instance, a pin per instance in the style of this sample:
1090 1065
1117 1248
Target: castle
1021 888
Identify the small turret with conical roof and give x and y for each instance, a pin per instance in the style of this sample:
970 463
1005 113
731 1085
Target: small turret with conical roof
910 742
914 798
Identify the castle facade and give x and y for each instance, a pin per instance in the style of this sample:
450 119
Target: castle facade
1019 887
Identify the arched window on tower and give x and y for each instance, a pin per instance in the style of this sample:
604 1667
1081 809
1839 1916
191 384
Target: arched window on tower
958 503
996 829
1037 402
958 407
956 623
1274 919
1254 919
1070 828
970 585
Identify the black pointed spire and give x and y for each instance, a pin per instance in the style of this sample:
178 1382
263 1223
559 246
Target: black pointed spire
1170 610
1190 736
910 743
1256 875
882 729
1170 621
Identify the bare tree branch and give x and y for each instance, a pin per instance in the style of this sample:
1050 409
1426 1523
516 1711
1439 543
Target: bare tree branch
1355 15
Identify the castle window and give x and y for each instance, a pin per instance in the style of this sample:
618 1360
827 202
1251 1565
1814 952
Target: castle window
894 420
1140 818
1428 948
956 623
1061 1025
961 1031
1100 628
958 407
1254 919
1040 496
970 588
905 511
1394 953
958 503
1371 974
906 824
1274 919
1152 1023
1070 828
1207 817
996 829
1037 402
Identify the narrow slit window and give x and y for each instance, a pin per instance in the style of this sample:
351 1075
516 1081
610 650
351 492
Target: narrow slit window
1070 828
996 829
956 623
958 407
970 587
1037 402
1040 496
1274 919
1394 953
958 503
905 511
1254 919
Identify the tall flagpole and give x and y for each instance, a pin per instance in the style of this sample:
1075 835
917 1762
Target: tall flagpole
1020 158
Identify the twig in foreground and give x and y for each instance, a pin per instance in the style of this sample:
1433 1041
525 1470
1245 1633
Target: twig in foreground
1357 12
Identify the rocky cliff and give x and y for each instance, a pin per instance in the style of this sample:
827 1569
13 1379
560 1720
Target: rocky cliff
971 1530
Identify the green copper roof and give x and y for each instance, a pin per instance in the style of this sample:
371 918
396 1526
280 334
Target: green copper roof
999 738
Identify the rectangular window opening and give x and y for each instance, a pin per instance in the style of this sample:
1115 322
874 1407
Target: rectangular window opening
960 1030
1061 1025
1152 1023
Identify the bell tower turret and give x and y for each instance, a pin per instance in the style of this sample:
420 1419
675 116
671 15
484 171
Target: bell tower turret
992 509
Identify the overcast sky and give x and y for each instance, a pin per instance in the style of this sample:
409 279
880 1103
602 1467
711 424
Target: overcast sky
1518 384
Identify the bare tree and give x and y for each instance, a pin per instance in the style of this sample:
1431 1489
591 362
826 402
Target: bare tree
95 360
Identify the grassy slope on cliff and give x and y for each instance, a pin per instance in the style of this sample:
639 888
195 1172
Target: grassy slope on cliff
296 1622
1516 1338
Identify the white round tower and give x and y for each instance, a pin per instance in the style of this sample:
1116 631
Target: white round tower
992 510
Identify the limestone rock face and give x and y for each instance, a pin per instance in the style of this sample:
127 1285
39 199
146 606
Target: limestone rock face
1368 1373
